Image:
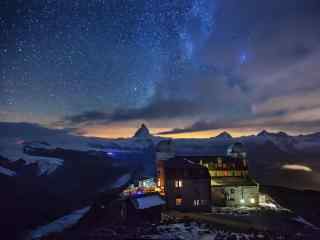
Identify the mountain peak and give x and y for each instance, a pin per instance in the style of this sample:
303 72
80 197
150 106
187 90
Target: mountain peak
142 132
263 133
282 134
224 135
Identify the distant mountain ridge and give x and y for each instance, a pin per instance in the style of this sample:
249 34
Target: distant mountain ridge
73 168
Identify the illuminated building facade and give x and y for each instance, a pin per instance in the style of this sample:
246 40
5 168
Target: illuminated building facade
229 180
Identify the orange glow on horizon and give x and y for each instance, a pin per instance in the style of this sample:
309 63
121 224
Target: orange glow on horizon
126 132
213 133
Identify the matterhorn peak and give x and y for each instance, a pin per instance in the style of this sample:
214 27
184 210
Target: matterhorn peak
263 133
142 132
224 135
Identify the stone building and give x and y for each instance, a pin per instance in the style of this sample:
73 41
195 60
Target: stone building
187 185
229 180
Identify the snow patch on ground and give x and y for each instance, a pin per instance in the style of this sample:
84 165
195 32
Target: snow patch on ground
234 211
193 230
7 172
305 222
60 224
47 165
246 211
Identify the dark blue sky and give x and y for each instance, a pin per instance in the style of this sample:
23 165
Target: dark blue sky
189 64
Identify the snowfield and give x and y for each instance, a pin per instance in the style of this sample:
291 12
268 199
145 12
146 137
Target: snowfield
7 172
305 222
47 165
59 225
192 231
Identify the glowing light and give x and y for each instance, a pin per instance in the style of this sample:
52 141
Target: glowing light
242 201
269 205
178 184
252 200
297 167
243 58
20 142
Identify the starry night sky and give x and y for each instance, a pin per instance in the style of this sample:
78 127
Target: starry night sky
100 68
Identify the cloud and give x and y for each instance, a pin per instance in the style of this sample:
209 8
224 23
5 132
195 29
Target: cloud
301 120
296 167
28 130
292 102
86 117
161 109
199 126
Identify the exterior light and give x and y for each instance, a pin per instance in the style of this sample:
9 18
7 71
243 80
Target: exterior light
178 184
252 200
242 201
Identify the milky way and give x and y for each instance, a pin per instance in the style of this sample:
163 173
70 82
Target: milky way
174 64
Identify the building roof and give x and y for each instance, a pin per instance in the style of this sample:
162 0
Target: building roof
233 181
147 201
186 169
197 158
217 148
181 162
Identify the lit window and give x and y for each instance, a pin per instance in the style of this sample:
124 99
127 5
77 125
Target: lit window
178 184
244 162
252 200
196 203
242 201
178 201
159 182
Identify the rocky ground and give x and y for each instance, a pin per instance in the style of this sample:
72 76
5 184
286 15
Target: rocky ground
177 228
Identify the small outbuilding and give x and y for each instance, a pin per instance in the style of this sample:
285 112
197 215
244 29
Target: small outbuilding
141 209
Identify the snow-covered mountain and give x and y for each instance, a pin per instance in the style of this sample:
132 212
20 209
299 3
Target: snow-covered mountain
223 136
306 143
44 151
142 132
34 144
